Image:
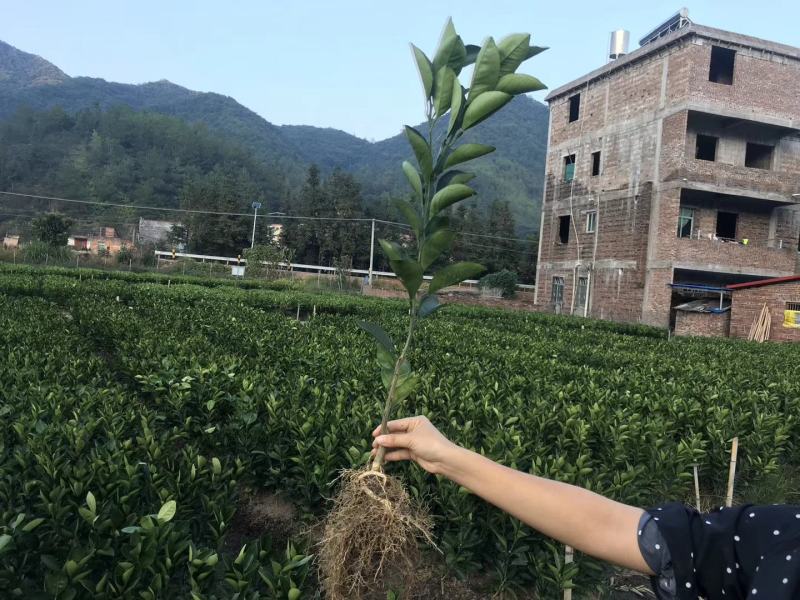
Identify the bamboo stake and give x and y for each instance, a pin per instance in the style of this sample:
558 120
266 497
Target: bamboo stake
568 558
732 471
696 488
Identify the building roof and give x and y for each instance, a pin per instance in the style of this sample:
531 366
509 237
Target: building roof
763 282
692 29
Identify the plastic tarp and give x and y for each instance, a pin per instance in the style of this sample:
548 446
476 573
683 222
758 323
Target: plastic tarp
791 318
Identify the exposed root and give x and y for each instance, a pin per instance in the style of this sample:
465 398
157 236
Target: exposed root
369 543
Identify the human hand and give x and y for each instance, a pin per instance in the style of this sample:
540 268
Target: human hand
414 438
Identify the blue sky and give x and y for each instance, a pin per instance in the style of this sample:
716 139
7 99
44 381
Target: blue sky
339 63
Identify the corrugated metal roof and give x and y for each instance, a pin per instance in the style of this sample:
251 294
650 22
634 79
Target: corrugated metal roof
763 282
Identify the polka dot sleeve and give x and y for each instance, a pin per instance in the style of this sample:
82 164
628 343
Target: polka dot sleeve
745 552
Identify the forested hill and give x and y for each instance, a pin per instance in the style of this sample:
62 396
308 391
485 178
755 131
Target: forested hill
514 173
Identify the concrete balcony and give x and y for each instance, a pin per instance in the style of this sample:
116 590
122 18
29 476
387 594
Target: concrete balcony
775 258
758 184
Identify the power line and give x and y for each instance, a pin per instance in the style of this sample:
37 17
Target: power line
233 214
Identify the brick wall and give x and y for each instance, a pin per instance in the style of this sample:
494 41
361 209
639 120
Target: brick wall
702 324
747 303
644 118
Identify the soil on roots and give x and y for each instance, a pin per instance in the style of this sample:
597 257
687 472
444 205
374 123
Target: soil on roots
370 539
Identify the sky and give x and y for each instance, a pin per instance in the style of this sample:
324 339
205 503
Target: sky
341 63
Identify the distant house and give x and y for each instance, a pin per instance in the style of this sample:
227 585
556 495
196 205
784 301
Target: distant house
11 242
106 241
156 232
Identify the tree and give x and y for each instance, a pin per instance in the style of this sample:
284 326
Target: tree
52 229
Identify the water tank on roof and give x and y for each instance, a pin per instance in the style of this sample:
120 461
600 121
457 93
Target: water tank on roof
618 46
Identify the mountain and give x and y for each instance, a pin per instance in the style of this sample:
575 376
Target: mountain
514 172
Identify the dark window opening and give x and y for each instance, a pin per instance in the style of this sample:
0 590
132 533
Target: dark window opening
706 148
726 225
574 107
721 68
569 168
758 156
563 228
595 163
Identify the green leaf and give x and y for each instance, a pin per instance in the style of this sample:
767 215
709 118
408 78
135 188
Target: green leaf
454 176
456 108
405 387
31 525
90 502
429 305
5 540
513 49
472 54
516 83
410 214
466 152
131 529
421 150
454 274
425 70
413 178
455 192
438 222
487 70
376 331
216 466
392 250
534 50
167 511
410 273
443 92
484 106
451 51
435 245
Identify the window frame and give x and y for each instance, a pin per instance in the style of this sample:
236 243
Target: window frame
591 221
681 221
566 168
558 284
582 292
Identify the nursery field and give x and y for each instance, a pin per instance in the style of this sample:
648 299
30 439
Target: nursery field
142 423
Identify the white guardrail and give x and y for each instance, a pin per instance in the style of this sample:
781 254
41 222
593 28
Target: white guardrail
162 254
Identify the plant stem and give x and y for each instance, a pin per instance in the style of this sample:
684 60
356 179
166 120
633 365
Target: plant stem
377 464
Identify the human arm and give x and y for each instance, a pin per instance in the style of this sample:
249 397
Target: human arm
587 521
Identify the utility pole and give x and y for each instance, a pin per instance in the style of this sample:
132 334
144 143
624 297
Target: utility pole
371 251
256 206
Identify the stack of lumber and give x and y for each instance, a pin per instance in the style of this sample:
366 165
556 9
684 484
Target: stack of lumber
759 330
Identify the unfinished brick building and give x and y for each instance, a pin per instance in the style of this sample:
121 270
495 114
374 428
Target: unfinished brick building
675 165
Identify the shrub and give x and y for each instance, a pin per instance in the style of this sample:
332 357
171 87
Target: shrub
504 280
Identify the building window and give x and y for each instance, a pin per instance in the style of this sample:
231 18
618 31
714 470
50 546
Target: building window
758 156
574 108
726 225
591 221
793 306
569 168
721 67
557 293
563 228
583 286
706 147
595 163
686 223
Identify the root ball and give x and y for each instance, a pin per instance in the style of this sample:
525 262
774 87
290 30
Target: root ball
370 538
